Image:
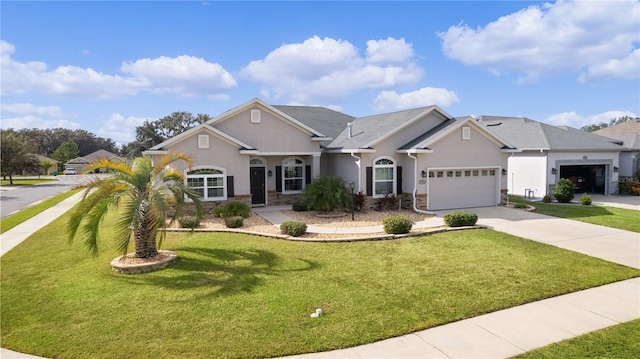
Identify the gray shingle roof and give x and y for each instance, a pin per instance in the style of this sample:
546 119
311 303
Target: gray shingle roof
527 134
366 130
324 120
628 132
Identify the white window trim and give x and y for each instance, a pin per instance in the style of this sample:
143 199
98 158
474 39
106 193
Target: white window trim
203 141
224 181
284 191
395 174
255 116
466 133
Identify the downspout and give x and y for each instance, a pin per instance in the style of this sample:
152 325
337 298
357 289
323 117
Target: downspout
415 187
359 170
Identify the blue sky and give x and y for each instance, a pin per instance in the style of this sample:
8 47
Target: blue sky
107 66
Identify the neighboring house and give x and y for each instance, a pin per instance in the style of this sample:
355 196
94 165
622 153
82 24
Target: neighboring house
628 134
263 154
39 170
549 153
78 163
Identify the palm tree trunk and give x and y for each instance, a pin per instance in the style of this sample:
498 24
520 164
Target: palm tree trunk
145 238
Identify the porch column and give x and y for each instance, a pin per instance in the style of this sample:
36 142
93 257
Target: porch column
315 166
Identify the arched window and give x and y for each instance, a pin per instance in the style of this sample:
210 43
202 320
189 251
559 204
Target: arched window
208 182
293 174
384 180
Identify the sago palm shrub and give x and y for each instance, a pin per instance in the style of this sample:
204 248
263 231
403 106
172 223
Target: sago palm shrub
144 192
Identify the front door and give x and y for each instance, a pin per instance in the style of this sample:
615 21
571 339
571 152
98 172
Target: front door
257 182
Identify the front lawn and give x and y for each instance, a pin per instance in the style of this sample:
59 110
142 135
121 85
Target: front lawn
619 341
626 219
242 296
25 181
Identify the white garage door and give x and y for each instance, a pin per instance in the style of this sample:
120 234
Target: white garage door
462 188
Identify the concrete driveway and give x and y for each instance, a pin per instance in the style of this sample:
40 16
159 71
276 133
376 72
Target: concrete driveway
610 244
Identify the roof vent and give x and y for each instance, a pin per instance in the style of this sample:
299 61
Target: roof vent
350 129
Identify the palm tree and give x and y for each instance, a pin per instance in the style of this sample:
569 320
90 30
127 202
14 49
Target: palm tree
145 190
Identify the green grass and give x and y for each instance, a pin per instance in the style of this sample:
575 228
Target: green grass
619 341
25 181
15 219
620 218
241 296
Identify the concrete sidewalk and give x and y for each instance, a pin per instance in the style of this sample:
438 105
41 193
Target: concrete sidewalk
19 233
495 335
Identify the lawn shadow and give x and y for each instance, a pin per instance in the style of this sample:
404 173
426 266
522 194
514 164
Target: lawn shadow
576 210
220 272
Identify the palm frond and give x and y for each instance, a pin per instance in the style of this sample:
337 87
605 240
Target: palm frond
92 220
122 167
169 158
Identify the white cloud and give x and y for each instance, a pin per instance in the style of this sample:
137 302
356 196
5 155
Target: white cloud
29 109
627 68
426 96
572 119
548 40
389 50
184 75
31 121
120 129
326 70
26 115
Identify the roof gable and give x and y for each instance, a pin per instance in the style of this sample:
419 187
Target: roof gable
427 139
256 102
193 131
369 131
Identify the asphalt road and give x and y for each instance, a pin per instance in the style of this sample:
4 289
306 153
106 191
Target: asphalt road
16 198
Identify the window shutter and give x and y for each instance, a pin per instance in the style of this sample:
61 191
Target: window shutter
307 174
278 178
399 180
230 189
369 180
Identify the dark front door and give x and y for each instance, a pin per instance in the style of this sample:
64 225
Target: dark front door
257 181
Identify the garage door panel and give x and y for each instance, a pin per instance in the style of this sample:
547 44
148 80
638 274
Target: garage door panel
463 191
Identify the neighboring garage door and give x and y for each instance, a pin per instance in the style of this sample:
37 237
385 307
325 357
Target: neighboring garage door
462 188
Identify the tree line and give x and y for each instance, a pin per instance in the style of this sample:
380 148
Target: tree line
20 147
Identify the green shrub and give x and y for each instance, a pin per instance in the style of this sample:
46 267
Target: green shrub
300 205
520 205
232 209
188 221
293 228
564 191
234 221
547 199
397 225
460 218
327 193
585 199
217 211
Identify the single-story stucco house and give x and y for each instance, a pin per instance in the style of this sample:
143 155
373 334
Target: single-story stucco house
78 163
548 153
628 135
264 154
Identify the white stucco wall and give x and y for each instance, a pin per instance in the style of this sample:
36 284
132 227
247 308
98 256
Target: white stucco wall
628 163
272 134
527 171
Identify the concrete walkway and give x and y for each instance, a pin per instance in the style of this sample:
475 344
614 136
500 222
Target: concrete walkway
496 335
